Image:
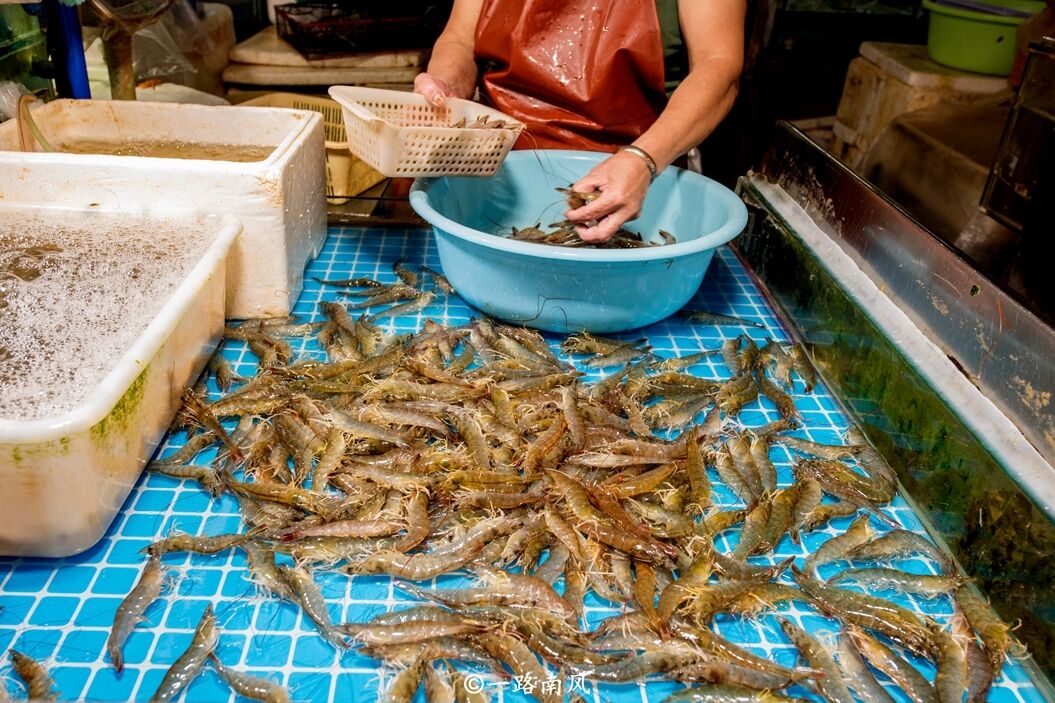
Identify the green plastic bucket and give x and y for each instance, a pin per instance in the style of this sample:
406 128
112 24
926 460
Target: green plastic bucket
976 41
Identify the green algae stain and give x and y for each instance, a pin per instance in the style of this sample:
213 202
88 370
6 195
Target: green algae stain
123 411
20 453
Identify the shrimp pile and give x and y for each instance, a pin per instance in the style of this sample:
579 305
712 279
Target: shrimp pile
479 450
482 122
564 233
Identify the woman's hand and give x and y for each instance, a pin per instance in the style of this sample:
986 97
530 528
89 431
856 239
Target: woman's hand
623 180
435 89
452 68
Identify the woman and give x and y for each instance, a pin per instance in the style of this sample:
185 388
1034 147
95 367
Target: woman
590 74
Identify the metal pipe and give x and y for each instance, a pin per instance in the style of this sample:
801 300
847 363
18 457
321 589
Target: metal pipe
117 50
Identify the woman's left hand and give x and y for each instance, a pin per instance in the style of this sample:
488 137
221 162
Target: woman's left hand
623 180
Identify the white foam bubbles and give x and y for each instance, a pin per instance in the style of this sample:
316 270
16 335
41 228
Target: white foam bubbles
76 291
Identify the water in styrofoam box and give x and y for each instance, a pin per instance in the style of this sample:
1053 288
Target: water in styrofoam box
76 290
402 135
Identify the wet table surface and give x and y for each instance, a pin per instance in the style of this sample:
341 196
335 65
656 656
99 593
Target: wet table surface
59 611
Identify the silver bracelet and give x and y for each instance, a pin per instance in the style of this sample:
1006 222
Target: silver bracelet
644 156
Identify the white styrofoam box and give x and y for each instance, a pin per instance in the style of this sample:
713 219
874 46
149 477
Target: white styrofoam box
280 200
66 475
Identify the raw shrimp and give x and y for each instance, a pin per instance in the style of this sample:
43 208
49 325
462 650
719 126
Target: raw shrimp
130 611
248 686
189 664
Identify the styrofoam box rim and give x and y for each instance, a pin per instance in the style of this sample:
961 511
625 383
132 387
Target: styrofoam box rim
283 151
105 396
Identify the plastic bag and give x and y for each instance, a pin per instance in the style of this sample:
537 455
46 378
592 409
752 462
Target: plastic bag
182 48
10 92
157 53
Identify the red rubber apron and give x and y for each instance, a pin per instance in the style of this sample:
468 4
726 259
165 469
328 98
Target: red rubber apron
581 74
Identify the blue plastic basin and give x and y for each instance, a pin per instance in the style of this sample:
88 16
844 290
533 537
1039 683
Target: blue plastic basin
566 290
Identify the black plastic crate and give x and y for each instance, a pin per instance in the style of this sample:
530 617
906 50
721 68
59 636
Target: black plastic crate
321 30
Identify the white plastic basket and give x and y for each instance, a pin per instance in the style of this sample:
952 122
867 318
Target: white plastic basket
403 136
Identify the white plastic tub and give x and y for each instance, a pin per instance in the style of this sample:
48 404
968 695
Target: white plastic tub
280 200
66 475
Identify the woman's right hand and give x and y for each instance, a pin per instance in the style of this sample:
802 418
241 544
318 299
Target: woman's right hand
435 89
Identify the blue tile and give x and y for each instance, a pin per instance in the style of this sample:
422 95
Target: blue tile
54 610
925 666
72 579
185 613
38 643
370 587
815 624
236 584
1013 671
812 419
207 687
155 612
189 524
139 525
196 502
268 651
234 616
97 612
83 646
108 685
355 688
129 552
277 616
332 585
169 646
200 582
227 504
222 525
738 630
71 680
155 501
313 653
148 683
27 578
238 559
786 656
158 482
352 658
230 646
115 580
137 646
309 686
173 560
14 609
